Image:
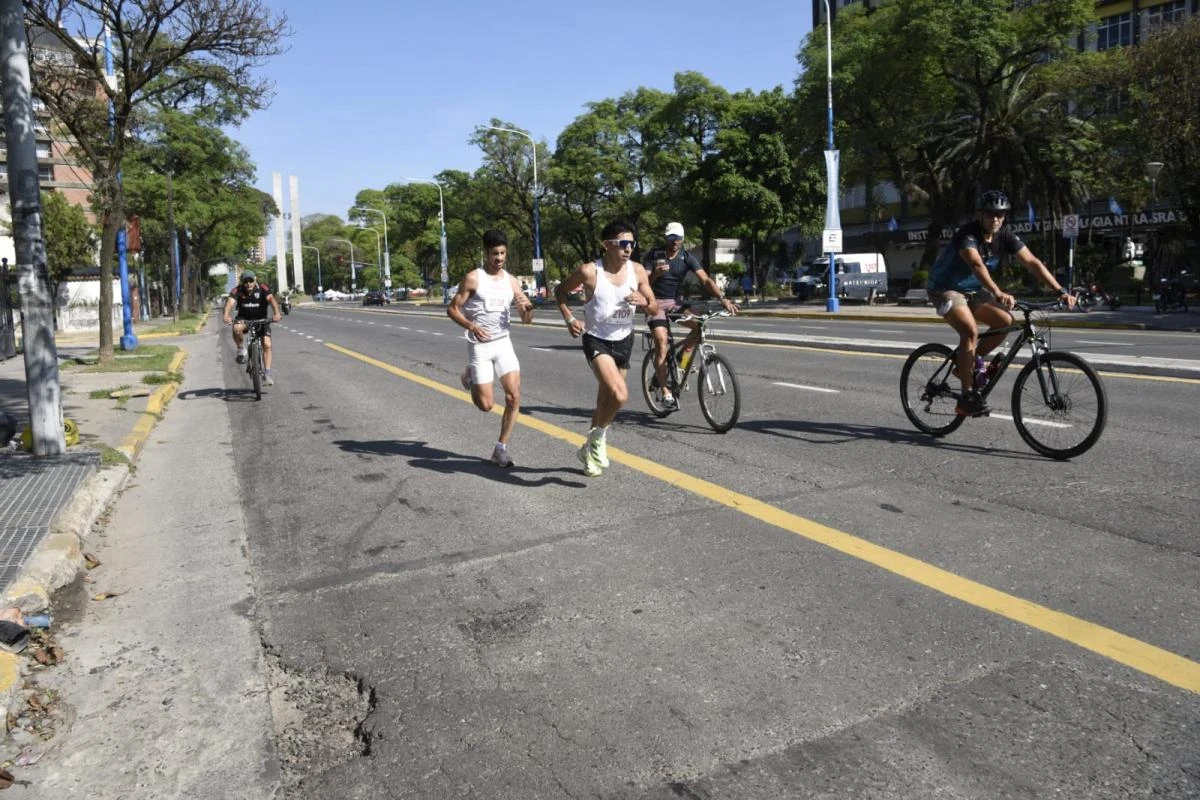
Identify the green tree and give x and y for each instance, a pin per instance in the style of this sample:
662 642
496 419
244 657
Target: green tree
218 212
945 99
70 238
184 53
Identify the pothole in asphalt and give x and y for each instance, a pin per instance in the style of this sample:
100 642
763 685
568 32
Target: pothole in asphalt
318 717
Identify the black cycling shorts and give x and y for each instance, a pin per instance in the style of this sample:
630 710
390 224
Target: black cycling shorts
619 350
266 329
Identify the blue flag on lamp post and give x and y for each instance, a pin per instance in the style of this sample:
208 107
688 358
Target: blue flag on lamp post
1029 205
1114 207
893 225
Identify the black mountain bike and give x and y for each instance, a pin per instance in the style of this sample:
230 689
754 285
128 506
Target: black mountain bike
1058 402
255 366
716 384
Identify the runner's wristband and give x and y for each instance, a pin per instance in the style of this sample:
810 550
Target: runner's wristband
569 321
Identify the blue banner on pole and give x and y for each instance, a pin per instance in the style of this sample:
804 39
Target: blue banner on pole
1029 205
893 225
1114 207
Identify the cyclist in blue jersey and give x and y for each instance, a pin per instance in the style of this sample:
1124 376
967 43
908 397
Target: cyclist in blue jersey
963 288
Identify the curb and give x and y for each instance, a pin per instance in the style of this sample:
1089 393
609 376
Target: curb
58 560
168 334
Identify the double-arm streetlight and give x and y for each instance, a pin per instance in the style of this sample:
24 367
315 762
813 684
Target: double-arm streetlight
442 220
351 244
320 288
537 222
387 257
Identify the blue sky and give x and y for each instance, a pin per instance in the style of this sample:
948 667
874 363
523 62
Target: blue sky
372 91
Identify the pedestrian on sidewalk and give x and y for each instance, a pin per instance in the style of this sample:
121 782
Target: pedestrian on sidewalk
252 301
481 306
616 287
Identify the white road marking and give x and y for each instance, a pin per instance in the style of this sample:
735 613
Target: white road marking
1045 423
1106 344
808 388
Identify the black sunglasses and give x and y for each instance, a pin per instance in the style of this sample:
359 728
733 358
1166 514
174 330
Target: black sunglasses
624 244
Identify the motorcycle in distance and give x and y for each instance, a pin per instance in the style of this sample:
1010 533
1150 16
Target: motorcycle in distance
1086 297
285 303
1171 294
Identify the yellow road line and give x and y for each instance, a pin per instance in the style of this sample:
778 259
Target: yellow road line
1141 656
154 408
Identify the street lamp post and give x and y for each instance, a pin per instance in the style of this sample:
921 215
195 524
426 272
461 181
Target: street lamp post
318 251
387 256
537 222
351 244
833 223
1152 170
442 220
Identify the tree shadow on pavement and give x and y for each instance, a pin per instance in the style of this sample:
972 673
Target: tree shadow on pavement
421 456
844 433
228 395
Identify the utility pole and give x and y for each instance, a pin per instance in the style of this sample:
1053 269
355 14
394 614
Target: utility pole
41 353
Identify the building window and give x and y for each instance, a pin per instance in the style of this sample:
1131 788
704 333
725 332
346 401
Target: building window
44 151
45 172
1165 14
1114 31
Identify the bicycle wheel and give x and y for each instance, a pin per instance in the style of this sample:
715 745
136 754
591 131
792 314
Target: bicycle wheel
925 391
717 390
650 388
256 368
1061 412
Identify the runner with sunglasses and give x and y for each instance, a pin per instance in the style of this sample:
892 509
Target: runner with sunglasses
616 286
963 289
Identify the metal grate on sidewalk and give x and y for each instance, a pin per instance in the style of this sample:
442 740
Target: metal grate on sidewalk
32 491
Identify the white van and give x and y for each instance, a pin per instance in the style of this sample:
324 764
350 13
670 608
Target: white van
860 276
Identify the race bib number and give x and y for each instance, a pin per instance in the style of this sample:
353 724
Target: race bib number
495 303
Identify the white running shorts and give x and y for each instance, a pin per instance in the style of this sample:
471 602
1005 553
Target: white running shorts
492 359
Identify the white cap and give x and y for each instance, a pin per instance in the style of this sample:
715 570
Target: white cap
674 229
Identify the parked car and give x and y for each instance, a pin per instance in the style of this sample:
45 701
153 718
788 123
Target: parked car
374 299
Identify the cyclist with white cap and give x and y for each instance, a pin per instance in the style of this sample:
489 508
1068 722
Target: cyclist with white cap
668 267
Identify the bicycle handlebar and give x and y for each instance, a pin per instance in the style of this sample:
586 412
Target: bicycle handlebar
688 316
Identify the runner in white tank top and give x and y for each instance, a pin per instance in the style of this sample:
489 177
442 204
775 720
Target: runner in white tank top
608 311
481 305
489 304
617 286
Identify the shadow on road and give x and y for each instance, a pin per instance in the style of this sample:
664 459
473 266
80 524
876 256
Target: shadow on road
421 456
843 433
228 395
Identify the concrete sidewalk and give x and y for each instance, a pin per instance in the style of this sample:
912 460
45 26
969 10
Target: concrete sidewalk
49 504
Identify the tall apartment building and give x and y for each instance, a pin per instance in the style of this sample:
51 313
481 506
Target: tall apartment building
1118 23
58 169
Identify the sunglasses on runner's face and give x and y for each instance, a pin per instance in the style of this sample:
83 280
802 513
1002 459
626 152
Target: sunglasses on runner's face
994 214
624 244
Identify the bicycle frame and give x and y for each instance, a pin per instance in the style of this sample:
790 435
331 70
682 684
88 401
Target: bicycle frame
1025 335
677 379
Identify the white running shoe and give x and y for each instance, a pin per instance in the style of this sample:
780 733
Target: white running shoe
669 402
587 455
267 379
600 449
241 356
501 458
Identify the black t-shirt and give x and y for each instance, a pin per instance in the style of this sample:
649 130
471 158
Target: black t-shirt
252 303
667 286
